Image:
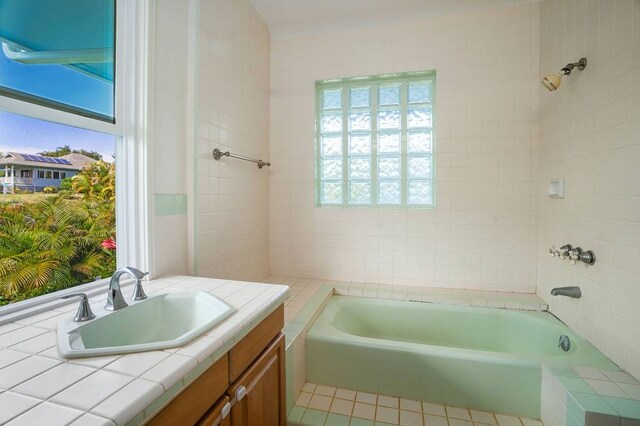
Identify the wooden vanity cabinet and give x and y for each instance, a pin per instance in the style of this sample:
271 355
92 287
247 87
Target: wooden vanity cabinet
249 380
263 386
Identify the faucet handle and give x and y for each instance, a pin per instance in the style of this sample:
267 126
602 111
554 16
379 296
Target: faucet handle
575 254
84 310
553 251
138 291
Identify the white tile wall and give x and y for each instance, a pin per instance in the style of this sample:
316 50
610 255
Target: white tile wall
232 113
590 135
168 134
480 236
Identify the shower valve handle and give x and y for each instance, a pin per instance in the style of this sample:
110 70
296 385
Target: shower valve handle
575 254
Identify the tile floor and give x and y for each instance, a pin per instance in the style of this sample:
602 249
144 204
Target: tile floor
319 405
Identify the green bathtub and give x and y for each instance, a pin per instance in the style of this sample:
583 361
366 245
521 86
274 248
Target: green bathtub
481 358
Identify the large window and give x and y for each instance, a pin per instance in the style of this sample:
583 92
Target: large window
375 141
63 129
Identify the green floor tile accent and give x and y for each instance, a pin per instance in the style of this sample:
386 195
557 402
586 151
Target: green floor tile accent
313 417
361 422
295 416
288 360
625 407
334 419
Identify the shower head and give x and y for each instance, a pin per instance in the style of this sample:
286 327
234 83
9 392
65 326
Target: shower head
552 81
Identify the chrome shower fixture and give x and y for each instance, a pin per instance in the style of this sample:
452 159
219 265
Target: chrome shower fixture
552 81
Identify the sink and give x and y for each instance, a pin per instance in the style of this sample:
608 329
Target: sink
159 322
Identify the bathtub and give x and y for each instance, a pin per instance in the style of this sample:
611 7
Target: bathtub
482 358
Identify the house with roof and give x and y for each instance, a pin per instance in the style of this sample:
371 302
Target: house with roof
33 173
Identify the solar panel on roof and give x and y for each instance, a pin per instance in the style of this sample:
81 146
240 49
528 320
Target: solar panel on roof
41 159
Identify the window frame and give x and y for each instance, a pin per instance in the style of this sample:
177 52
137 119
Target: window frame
346 84
134 209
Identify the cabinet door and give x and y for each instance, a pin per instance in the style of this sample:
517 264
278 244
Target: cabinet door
260 391
217 416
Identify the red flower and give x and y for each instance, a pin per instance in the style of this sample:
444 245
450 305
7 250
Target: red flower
109 244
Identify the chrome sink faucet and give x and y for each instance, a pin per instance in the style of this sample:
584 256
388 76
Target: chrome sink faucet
115 300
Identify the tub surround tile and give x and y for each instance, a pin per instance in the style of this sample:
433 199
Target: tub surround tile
387 415
320 402
342 406
435 409
458 413
483 417
432 420
606 388
410 405
504 420
410 418
364 411
388 401
367 398
118 389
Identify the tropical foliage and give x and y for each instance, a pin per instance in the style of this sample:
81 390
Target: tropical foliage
64 150
62 241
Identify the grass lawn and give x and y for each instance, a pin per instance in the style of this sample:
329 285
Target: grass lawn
24 198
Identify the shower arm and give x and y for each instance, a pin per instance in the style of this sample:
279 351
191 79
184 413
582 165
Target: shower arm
581 64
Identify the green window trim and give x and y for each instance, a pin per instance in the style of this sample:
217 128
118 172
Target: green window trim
375 139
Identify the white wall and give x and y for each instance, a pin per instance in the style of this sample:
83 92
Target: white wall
480 235
590 135
168 131
232 113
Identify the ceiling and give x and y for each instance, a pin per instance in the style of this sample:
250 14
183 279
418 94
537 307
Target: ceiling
290 18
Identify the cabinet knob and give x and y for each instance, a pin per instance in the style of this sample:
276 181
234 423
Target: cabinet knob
240 393
226 409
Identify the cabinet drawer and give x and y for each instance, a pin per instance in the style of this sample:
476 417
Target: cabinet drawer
250 347
213 416
197 398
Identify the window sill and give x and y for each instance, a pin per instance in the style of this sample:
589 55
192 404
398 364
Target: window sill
46 302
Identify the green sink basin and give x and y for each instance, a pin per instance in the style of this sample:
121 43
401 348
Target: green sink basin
160 322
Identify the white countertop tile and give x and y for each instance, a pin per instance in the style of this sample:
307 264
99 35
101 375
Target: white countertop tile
92 390
136 364
8 357
201 348
23 370
171 369
112 390
51 414
20 335
52 381
92 420
129 401
14 404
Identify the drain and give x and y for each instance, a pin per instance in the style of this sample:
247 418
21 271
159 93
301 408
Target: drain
564 342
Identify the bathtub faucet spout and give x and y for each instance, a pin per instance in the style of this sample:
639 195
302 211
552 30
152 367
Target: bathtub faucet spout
567 291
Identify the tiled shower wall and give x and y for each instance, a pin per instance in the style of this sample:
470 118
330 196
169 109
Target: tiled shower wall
231 113
480 236
590 135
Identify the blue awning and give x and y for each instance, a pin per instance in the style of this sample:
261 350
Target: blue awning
76 33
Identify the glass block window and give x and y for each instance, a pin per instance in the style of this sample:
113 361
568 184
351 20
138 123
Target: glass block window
375 141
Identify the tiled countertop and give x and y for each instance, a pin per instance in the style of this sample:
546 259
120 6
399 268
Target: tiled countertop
38 387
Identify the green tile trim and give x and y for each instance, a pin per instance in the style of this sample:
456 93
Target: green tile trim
313 417
334 419
136 421
162 399
628 408
295 416
170 204
579 403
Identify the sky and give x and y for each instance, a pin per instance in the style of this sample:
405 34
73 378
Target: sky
30 136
